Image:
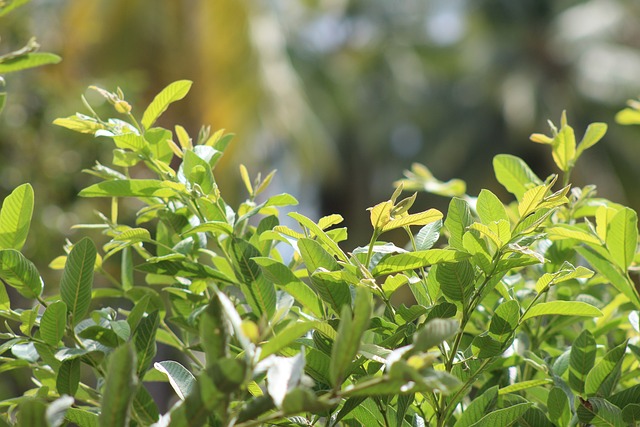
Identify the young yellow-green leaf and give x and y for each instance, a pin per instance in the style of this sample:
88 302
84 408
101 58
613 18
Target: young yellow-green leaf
77 278
80 123
53 323
622 237
380 214
592 136
244 174
181 380
546 280
11 5
349 336
321 235
458 219
28 60
562 308
604 215
582 358
531 199
131 141
598 377
172 93
68 377
514 174
15 217
566 231
628 116
490 208
20 273
564 148
119 389
411 260
130 188
422 218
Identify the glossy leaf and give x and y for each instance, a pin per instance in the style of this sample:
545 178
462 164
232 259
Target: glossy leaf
598 412
422 218
172 93
582 359
77 279
15 217
564 148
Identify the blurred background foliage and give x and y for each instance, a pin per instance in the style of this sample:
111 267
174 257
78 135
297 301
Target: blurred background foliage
339 95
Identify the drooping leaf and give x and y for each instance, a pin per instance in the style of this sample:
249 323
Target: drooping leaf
15 217
562 308
172 93
583 356
53 323
119 389
180 378
20 273
77 278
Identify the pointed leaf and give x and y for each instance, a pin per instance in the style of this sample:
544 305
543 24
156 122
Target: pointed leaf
260 293
421 218
214 336
558 406
598 412
28 60
593 134
490 208
481 405
172 93
622 237
562 308
583 356
77 278
411 260
145 341
53 323
603 369
564 148
458 219
514 174
503 417
180 378
428 236
15 217
119 389
20 273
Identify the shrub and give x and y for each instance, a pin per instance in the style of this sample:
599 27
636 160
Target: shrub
522 313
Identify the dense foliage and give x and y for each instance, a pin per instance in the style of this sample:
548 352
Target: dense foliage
518 313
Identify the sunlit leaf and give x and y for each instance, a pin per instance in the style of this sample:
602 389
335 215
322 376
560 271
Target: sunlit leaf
180 378
77 278
15 217
562 308
172 93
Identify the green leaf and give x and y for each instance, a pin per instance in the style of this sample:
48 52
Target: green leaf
598 412
504 321
490 208
145 341
28 60
315 256
628 116
15 217
503 417
479 406
607 366
456 280
331 289
433 333
524 385
422 218
583 356
180 378
594 133
566 231
131 141
458 219
11 5
31 412
214 334
622 237
172 93
119 389
82 418
77 279
282 276
20 273
562 308
603 266
631 414
626 396
285 337
392 264
53 323
144 407
350 332
428 236
68 377
260 293
559 407
332 246
564 148
514 174
131 188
